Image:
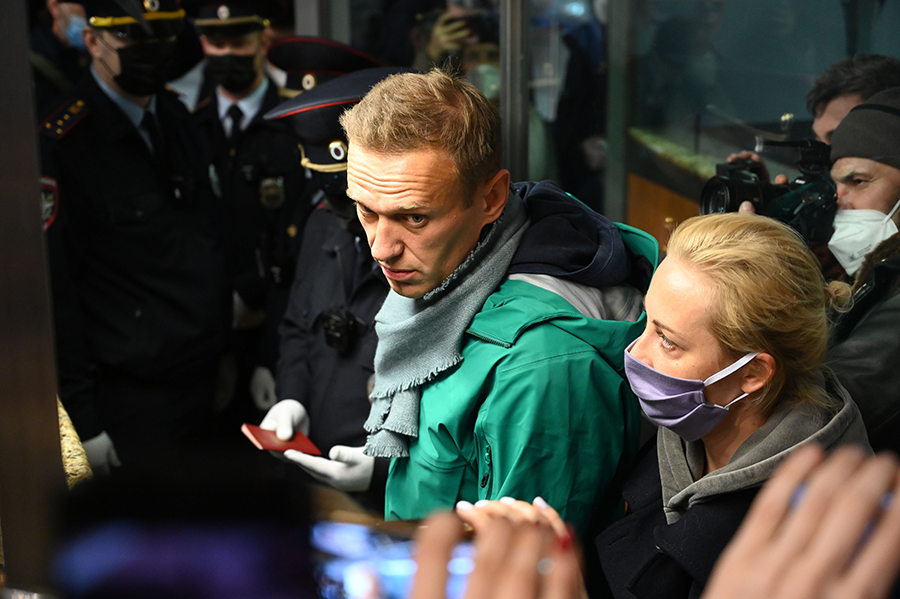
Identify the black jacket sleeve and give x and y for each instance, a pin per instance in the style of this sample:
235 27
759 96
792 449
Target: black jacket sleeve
866 364
65 251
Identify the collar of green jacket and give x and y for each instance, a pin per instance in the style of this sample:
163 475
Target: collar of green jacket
517 306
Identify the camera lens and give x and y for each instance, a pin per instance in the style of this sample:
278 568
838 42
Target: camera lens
716 197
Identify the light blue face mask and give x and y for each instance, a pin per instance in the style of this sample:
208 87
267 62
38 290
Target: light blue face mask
76 25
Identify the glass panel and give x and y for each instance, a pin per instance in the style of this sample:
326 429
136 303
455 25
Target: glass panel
568 80
709 76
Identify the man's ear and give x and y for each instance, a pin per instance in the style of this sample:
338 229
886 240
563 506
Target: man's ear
92 41
760 371
495 191
204 43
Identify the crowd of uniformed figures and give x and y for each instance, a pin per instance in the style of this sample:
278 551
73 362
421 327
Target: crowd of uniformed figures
227 207
175 218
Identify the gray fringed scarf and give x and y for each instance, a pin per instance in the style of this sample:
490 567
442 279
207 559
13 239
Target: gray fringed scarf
420 338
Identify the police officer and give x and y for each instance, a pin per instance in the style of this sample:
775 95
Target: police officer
327 334
261 180
307 62
140 298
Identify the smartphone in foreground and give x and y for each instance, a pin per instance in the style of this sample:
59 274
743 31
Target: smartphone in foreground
356 561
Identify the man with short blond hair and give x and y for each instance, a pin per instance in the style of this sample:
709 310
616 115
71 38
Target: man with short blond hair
498 370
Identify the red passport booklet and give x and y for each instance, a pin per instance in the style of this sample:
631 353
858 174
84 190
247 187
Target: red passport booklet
264 439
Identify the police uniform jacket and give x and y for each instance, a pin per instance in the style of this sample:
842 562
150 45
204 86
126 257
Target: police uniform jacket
262 184
334 269
133 238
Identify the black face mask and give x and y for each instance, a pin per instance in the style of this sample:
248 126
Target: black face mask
233 72
144 67
335 187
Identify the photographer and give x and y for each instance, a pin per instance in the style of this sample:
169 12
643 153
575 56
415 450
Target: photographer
844 85
865 347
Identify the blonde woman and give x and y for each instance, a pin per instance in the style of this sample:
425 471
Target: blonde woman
730 368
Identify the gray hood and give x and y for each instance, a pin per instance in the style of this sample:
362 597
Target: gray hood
756 459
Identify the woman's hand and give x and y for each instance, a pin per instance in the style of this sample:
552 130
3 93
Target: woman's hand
538 512
515 559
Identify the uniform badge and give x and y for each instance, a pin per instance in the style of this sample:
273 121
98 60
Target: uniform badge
222 12
151 5
49 201
214 182
338 150
308 82
271 192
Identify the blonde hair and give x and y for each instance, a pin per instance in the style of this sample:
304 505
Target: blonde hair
769 295
414 111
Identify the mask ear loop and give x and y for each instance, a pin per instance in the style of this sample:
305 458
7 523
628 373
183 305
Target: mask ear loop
108 47
892 212
730 369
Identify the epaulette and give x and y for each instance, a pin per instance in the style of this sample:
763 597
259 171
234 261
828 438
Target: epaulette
64 119
172 91
203 104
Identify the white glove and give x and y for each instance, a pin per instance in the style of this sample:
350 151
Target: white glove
243 316
262 388
285 417
101 454
348 468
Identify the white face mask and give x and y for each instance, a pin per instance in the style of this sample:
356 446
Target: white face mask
857 232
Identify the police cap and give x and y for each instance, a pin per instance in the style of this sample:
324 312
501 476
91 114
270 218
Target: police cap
314 115
136 18
309 61
232 17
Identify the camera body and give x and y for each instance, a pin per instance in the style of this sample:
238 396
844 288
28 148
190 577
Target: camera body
807 204
342 329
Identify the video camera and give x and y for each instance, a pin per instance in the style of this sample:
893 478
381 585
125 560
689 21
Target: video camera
807 204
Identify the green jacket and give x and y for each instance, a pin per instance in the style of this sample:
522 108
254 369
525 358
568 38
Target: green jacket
539 406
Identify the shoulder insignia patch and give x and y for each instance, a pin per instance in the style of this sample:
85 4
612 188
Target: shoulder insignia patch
64 119
49 201
202 104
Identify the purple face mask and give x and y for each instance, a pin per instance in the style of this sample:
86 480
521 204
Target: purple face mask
678 404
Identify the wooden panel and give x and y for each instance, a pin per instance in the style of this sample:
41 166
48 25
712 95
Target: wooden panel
31 472
655 209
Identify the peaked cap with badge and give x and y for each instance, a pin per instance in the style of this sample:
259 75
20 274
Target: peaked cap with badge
232 17
310 61
136 18
314 116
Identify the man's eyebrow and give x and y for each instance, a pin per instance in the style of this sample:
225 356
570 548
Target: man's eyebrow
847 176
412 206
401 209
